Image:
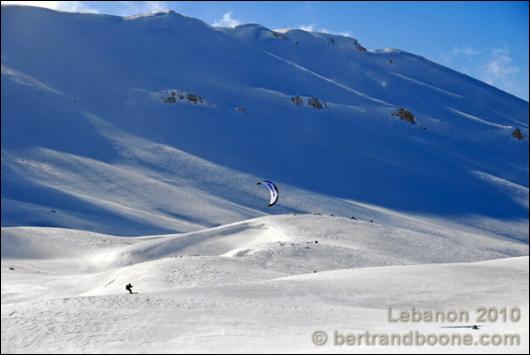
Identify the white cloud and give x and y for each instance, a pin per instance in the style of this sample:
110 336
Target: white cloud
494 66
136 8
312 28
325 30
68 6
499 70
76 6
466 51
130 8
226 21
308 28
157 6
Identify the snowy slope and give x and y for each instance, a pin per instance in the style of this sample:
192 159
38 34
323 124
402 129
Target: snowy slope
265 284
271 316
85 131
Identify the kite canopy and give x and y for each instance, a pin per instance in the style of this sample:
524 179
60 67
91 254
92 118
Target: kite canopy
273 191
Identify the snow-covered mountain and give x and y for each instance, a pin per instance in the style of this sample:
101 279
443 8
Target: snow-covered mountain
395 174
88 130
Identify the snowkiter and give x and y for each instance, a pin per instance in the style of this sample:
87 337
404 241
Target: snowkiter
128 287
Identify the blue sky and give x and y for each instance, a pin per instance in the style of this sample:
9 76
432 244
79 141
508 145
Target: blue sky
486 40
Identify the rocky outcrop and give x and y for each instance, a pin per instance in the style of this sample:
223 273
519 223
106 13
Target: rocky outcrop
404 115
172 96
311 101
297 100
517 134
316 103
